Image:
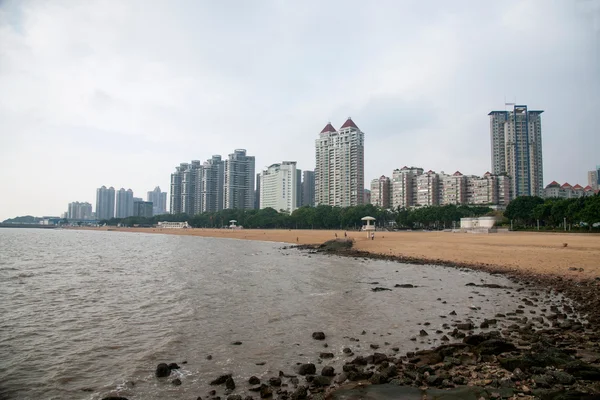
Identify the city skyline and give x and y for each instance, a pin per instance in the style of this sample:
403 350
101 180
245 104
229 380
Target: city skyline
421 80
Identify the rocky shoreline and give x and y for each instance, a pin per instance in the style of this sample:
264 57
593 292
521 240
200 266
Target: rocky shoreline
552 354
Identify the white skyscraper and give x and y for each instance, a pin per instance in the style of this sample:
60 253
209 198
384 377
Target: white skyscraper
124 203
279 187
340 171
158 200
105 203
238 184
516 141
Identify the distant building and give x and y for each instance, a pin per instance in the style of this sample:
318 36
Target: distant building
158 199
143 209
238 185
404 187
183 188
279 186
298 188
210 185
105 203
173 225
453 188
308 188
257 193
380 192
366 196
340 171
124 206
79 211
428 189
566 191
516 141
594 178
411 187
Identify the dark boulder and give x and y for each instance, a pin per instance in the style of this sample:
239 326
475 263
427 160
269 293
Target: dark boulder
318 335
360 360
234 397
495 347
254 380
229 383
377 379
300 393
176 381
265 392
326 355
236 343
328 371
221 379
162 370
404 285
174 366
582 370
379 289
467 326
114 398
307 369
321 381
275 381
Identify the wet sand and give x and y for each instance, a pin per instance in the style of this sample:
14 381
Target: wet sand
527 252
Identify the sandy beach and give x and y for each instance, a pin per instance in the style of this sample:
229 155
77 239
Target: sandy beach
540 253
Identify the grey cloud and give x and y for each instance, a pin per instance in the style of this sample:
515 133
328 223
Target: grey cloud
181 80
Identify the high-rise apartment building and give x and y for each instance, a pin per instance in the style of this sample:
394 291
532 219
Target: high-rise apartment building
516 143
210 185
257 193
404 187
124 206
453 188
105 203
308 188
158 199
428 189
79 211
183 188
339 172
412 187
594 178
238 185
380 192
279 187
143 209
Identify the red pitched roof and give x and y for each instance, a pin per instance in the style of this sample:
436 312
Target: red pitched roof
328 128
487 173
349 124
578 186
457 173
566 184
587 188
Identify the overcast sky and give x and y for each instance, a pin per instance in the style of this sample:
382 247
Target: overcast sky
118 93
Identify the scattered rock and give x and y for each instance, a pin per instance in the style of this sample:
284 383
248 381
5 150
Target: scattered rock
236 343
254 380
379 289
229 383
423 333
326 355
328 371
162 370
318 335
221 379
176 381
404 285
275 381
307 369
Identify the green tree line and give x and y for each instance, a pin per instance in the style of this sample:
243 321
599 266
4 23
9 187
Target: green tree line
319 217
552 213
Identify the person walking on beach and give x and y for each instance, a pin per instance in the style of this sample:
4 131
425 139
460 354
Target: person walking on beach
346 235
372 235
336 235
